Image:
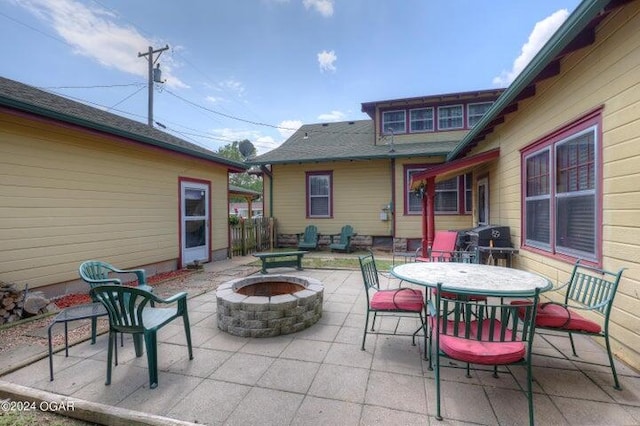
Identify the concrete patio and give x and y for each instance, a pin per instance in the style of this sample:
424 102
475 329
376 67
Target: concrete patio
319 376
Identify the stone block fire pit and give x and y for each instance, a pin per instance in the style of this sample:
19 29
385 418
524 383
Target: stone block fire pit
268 305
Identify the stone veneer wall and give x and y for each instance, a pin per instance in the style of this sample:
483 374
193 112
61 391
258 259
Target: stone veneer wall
260 316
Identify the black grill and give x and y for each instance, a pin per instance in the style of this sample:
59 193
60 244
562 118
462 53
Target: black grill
489 235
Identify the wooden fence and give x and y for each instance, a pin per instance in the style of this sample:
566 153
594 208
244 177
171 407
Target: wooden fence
252 235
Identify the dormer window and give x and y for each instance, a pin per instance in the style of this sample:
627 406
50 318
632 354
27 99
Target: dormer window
394 121
450 117
476 111
421 120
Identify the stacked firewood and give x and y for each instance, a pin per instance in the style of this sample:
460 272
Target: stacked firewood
11 303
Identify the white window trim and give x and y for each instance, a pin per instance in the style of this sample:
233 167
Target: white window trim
311 196
404 121
461 106
433 122
469 125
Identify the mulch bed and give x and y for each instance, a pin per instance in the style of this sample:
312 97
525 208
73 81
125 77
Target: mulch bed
29 332
79 299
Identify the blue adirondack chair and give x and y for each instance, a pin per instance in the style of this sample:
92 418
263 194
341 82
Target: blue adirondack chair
342 241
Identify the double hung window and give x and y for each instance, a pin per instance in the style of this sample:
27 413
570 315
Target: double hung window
394 121
450 117
319 197
476 111
561 203
421 120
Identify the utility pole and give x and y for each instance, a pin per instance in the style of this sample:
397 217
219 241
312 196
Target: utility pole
152 78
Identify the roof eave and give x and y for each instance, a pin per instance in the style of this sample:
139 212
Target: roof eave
576 22
384 156
45 112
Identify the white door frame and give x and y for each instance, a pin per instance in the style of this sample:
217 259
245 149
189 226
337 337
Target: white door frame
482 200
195 221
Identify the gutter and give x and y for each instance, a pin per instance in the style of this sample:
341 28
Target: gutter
381 156
576 22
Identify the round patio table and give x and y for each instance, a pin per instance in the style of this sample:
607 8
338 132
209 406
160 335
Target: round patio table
488 280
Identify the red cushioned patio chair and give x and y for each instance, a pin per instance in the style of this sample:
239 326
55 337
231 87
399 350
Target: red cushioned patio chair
484 335
590 291
444 244
398 302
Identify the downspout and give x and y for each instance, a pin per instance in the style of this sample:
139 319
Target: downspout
392 204
267 172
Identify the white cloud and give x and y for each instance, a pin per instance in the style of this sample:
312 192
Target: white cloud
265 143
288 127
213 99
327 60
94 33
541 33
232 85
332 116
324 7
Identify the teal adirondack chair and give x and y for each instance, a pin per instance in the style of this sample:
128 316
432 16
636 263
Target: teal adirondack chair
308 240
342 241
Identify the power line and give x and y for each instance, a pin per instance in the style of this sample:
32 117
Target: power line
36 29
257 123
95 86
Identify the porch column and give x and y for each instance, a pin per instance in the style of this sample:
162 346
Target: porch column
428 215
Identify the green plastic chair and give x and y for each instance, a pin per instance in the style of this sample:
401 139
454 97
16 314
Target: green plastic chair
96 272
343 242
484 335
130 312
308 240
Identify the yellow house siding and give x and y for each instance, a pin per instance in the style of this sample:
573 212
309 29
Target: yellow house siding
360 189
604 74
68 196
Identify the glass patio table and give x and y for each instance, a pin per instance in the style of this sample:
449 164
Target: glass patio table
488 280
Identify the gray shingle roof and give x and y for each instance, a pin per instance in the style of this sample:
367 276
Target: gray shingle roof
346 140
20 96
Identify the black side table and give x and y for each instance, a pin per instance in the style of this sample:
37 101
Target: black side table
74 313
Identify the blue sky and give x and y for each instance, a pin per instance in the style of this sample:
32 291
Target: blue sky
258 69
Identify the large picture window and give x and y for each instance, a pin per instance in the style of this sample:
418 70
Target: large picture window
561 202
319 199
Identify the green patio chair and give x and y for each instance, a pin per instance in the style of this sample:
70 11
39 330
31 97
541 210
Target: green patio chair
589 290
96 272
308 240
342 241
398 302
482 335
130 312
